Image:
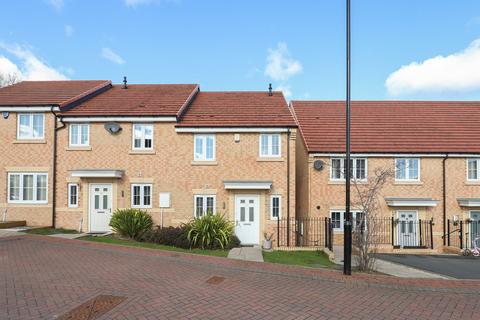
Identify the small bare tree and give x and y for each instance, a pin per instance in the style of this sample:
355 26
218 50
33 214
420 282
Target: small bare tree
8 79
368 225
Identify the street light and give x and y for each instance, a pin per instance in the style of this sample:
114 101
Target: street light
347 232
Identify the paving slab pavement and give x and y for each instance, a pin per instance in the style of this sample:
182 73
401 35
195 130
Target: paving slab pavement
247 254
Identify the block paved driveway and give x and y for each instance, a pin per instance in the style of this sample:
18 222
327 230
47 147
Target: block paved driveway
44 277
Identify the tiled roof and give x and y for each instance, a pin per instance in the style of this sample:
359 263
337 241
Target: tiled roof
138 100
391 126
46 93
238 109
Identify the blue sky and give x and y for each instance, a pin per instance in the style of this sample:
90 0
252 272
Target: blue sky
298 45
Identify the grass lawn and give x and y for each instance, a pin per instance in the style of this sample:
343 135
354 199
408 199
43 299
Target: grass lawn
48 231
132 243
313 259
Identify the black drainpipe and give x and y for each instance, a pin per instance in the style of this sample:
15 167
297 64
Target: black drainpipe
445 200
288 188
54 165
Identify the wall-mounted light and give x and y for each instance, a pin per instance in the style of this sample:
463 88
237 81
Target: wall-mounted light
5 114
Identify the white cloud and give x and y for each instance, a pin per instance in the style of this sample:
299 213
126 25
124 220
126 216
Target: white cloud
68 30
30 67
56 4
136 3
457 72
280 65
287 90
108 54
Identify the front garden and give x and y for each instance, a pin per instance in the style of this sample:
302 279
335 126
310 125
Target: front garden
209 235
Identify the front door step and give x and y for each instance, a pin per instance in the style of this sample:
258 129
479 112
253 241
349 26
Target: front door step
246 253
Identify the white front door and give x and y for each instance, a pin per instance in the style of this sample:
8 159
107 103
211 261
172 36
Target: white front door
247 216
407 229
100 207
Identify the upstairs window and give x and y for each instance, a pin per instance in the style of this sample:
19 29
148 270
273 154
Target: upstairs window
270 145
204 204
142 136
79 135
204 148
31 126
407 169
473 166
141 195
358 169
27 188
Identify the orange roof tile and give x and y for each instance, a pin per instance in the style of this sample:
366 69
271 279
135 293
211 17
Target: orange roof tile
391 126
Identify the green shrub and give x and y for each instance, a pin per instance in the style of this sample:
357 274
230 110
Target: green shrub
212 231
131 223
170 236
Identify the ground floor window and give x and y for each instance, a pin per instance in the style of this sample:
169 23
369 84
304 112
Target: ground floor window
141 195
204 204
338 219
72 195
27 187
275 206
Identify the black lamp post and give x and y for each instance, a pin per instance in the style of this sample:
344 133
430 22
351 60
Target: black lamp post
347 232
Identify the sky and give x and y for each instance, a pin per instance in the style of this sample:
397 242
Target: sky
401 49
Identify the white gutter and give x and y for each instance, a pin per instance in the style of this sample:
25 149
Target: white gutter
398 155
28 109
233 129
119 119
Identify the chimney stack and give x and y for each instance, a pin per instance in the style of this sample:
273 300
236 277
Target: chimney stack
125 83
270 93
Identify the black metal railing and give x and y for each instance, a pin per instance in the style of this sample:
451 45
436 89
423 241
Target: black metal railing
305 232
461 234
318 232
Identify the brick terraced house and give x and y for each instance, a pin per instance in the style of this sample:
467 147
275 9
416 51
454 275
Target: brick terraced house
432 149
27 135
72 152
171 150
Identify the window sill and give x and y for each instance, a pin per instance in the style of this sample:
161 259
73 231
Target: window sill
342 182
78 148
141 152
204 163
29 141
270 159
406 183
472 183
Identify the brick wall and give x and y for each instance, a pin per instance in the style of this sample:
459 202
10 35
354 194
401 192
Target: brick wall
25 156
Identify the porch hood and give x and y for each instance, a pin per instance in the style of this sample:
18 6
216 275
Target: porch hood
468 202
411 202
97 173
247 185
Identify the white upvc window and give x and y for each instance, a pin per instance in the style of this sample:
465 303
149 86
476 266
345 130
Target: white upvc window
358 169
204 147
141 195
204 204
473 169
79 134
407 169
31 126
72 195
27 187
275 207
338 220
270 145
142 136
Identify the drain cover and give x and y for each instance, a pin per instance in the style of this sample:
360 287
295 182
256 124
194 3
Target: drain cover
215 280
93 308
